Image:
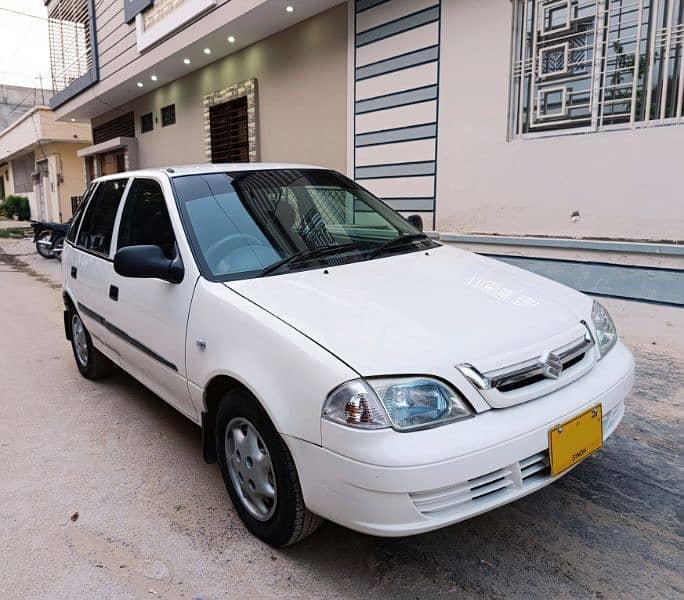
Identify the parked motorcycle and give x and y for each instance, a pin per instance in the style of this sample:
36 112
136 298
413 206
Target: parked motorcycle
49 237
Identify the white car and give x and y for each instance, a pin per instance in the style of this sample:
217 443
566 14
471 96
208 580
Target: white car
341 364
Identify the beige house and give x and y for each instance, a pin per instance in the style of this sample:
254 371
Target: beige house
38 159
544 132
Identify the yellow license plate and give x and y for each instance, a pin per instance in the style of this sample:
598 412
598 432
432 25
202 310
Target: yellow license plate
571 442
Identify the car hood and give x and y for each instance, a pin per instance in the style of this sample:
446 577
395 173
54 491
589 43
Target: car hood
423 312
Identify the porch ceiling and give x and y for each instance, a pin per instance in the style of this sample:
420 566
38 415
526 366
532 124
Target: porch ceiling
248 20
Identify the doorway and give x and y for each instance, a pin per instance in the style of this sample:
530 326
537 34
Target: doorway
112 163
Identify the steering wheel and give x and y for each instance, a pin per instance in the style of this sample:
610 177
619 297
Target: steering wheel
218 255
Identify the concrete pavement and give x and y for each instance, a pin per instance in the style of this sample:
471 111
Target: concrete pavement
104 494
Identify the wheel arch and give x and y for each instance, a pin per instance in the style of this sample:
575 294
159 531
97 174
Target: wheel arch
214 391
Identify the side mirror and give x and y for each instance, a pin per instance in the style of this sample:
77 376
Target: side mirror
148 261
416 221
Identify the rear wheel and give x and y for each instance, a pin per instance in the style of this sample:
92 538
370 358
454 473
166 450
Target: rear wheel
91 363
259 473
43 245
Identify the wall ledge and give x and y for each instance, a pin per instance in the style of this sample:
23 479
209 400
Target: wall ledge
621 247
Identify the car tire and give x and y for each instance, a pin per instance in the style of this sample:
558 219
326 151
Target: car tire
91 363
283 520
44 251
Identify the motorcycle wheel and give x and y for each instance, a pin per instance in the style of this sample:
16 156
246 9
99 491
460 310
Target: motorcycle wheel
43 248
57 248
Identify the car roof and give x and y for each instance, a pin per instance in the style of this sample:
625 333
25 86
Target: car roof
199 169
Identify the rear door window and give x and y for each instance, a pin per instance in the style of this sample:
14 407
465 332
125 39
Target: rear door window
95 234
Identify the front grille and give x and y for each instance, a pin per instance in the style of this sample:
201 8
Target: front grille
464 497
509 387
538 375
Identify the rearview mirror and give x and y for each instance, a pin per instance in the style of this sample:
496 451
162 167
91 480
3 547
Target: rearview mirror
416 221
148 261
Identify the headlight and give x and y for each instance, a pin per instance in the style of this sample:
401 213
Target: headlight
404 403
605 328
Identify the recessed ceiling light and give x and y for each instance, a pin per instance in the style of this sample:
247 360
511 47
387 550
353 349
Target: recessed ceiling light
289 8
207 50
140 84
231 39
154 77
186 61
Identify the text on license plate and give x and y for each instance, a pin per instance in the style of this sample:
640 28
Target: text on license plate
572 441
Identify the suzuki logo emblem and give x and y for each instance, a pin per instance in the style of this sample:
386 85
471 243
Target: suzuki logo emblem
552 365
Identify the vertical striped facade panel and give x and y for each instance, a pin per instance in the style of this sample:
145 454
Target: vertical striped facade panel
396 97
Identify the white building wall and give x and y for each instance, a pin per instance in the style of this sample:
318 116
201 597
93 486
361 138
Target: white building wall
624 184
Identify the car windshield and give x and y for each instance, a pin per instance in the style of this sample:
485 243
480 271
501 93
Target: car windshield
252 223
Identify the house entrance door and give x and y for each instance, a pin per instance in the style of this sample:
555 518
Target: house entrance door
112 162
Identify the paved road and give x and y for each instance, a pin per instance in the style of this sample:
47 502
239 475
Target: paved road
155 521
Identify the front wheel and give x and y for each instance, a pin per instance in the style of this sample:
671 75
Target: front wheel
259 473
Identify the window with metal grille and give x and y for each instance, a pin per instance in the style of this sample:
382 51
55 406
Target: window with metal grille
168 115
229 131
146 123
71 51
591 65
123 126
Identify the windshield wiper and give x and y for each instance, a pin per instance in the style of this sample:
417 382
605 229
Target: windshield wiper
308 253
402 240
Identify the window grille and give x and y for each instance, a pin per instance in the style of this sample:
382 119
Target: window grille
71 51
146 123
123 126
229 131
590 65
168 115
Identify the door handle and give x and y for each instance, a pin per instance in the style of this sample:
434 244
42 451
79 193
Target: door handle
74 272
114 292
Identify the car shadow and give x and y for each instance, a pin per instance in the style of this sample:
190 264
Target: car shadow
564 540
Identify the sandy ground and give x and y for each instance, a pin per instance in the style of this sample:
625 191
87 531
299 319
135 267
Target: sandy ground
104 494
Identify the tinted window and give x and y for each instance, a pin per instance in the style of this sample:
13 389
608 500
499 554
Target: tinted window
78 213
145 218
98 222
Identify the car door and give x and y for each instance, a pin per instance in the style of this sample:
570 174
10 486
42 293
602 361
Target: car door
89 266
149 316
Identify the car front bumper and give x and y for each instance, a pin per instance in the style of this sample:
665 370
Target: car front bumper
395 499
